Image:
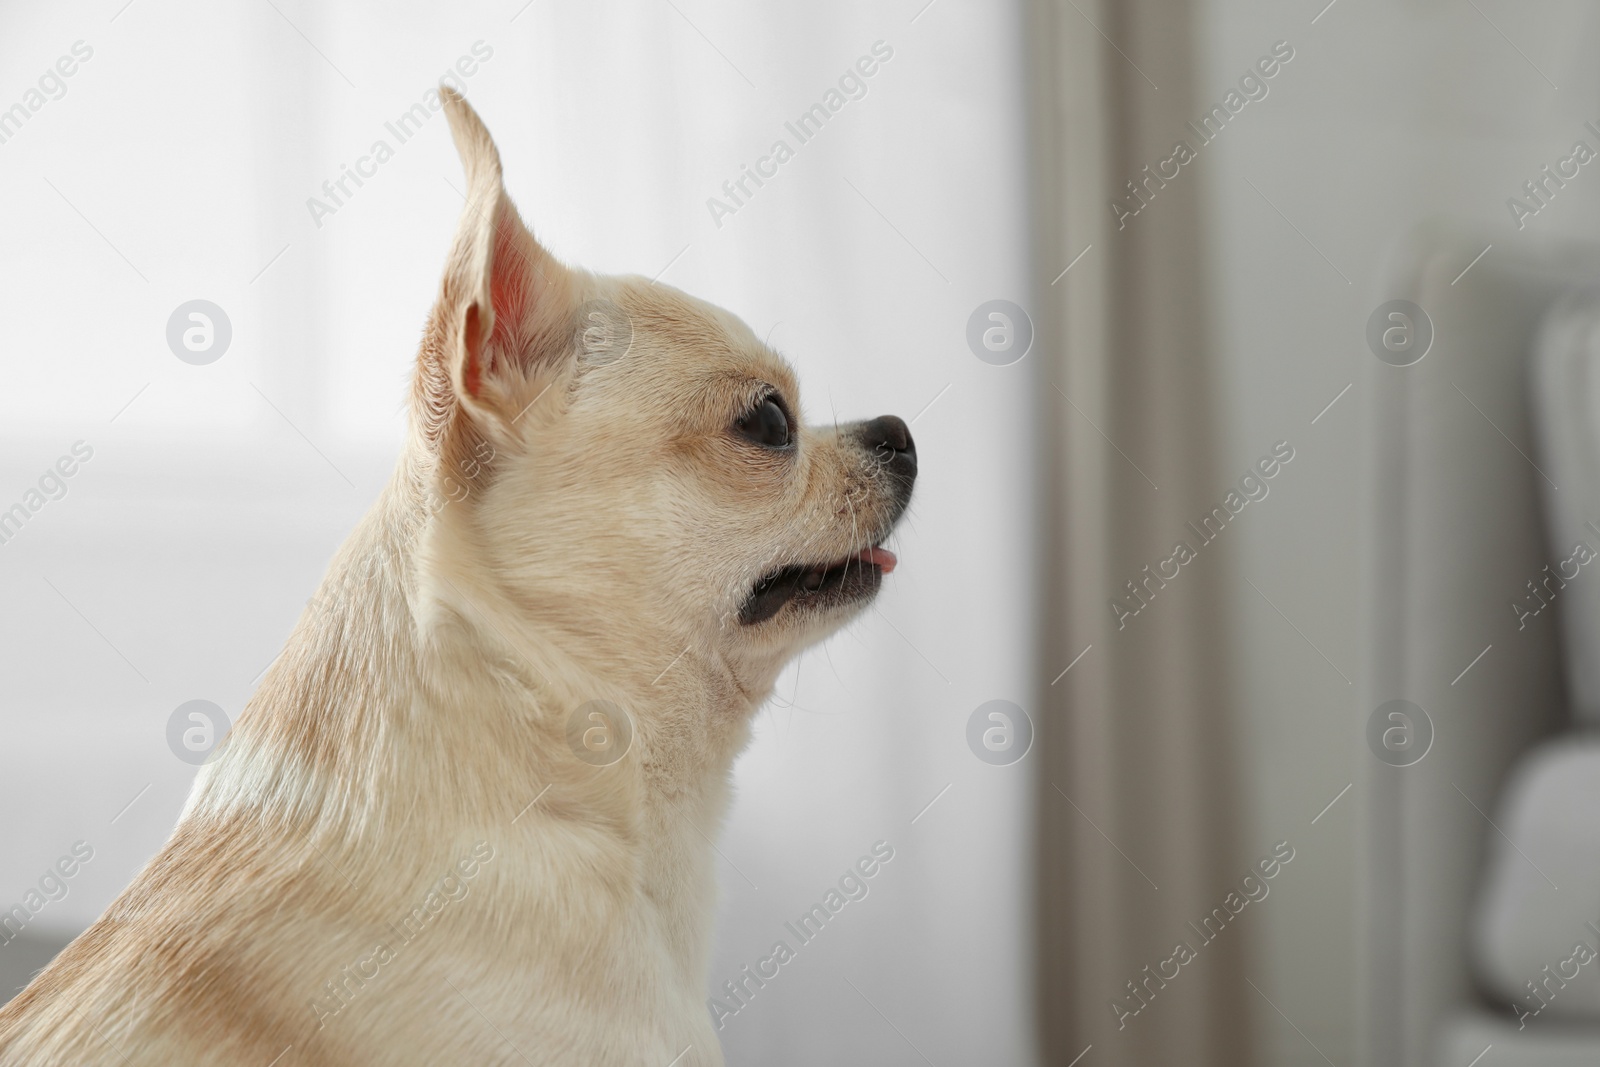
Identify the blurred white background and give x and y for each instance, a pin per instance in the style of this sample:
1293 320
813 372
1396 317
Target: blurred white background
177 165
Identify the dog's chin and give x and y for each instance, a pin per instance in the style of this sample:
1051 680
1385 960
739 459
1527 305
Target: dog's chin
810 589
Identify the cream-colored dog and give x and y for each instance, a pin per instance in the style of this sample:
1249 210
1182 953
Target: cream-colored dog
467 818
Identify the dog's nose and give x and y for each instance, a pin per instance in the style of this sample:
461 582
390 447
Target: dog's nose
890 436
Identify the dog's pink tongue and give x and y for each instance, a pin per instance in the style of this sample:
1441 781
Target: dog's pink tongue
881 557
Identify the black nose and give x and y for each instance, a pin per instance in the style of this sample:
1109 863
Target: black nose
889 437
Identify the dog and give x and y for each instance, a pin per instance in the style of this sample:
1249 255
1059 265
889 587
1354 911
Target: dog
468 815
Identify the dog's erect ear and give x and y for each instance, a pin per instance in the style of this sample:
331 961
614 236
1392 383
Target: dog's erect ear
504 297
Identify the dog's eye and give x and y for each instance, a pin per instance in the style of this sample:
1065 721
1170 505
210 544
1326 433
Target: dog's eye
766 424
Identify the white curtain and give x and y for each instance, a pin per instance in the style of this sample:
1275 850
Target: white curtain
1137 807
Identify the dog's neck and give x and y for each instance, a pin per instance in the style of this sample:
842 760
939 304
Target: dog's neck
413 707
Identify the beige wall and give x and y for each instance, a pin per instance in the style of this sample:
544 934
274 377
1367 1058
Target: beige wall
1390 115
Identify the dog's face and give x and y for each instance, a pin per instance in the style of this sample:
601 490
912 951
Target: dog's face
637 469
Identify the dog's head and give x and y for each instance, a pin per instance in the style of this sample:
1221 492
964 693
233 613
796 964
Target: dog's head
629 463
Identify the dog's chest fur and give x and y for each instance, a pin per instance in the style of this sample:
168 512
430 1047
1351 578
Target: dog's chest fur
318 883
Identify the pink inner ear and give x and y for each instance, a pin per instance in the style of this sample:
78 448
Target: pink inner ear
471 371
512 284
512 278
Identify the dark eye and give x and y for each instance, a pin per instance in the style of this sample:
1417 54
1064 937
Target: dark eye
766 424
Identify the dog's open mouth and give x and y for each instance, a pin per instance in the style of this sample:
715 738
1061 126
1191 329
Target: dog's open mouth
853 578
